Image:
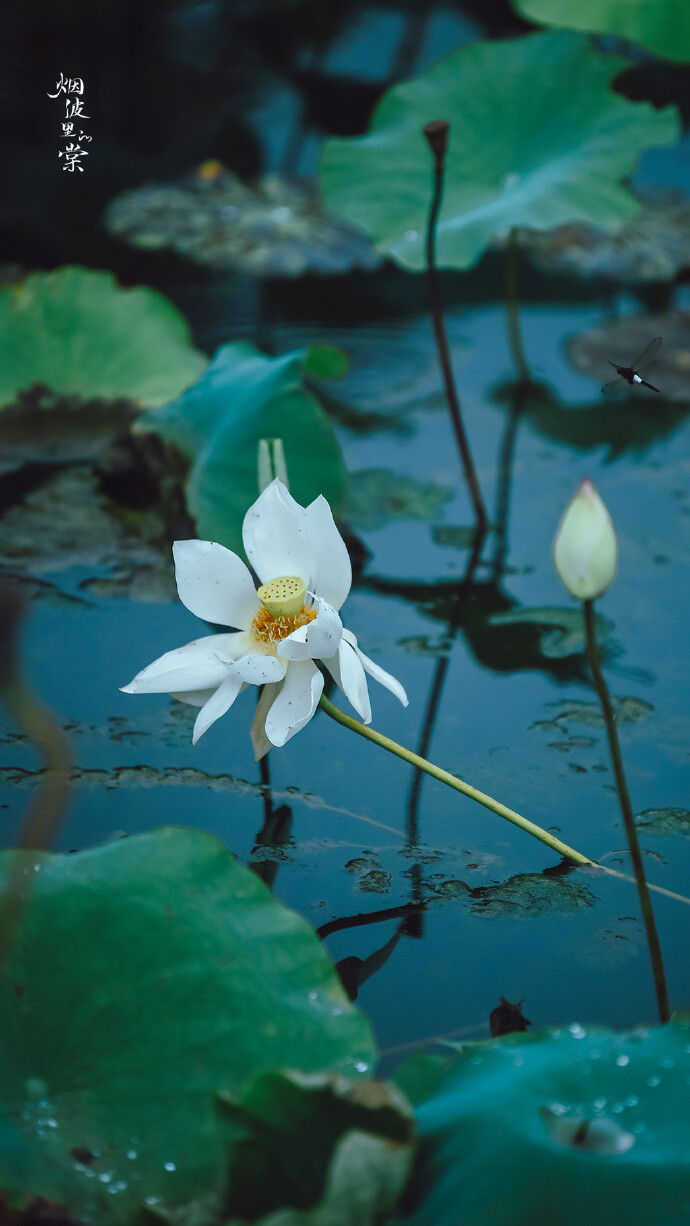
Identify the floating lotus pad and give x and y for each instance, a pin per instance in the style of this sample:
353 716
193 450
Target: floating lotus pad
537 138
582 1124
664 821
79 333
277 229
152 973
652 246
661 25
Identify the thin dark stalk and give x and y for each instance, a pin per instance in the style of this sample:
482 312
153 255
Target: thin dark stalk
436 134
626 810
513 308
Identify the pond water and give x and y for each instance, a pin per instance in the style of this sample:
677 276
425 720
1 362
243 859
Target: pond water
494 703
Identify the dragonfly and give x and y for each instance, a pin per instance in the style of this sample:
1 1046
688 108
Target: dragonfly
638 371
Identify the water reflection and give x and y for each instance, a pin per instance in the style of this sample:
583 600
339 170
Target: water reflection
354 971
275 832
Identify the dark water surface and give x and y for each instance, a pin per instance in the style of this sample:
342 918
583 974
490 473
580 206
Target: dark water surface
522 727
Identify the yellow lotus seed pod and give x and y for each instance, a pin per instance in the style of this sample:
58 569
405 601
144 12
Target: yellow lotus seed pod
284 596
585 549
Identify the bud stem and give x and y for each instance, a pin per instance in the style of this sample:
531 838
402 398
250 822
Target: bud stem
626 810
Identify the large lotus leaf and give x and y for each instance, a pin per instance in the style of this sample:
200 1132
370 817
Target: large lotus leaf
77 332
590 1125
149 974
537 138
245 396
661 25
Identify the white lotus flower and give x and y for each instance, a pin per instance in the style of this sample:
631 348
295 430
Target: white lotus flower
281 629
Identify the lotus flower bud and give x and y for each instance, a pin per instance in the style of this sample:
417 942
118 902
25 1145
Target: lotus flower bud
585 549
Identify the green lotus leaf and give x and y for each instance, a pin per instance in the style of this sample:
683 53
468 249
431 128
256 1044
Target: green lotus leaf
245 396
150 974
589 1123
78 333
661 25
537 138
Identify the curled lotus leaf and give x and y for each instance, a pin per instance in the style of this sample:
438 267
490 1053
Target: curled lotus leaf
217 425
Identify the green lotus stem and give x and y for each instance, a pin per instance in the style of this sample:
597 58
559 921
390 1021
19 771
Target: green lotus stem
458 784
513 309
436 134
626 810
